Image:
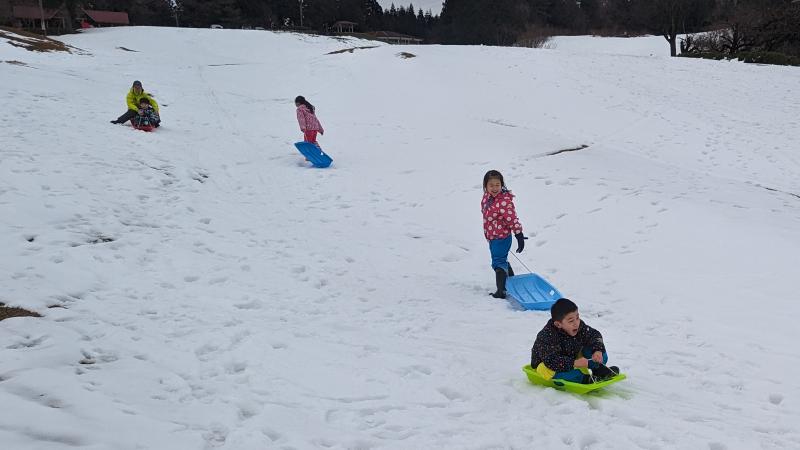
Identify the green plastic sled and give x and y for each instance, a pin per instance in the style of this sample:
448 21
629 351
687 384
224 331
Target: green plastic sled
569 386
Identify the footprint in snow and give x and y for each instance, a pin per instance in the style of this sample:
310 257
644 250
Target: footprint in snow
775 399
218 280
451 394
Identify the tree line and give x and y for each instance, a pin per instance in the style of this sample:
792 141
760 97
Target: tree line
311 15
771 25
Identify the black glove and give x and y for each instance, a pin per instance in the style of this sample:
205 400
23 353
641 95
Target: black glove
520 242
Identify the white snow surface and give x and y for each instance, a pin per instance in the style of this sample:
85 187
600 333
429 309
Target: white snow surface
630 46
201 287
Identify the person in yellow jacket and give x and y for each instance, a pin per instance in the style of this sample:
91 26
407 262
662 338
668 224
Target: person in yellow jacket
134 96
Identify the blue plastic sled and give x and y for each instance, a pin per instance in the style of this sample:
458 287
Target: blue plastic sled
532 291
314 154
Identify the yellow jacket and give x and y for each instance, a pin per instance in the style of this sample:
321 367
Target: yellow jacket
133 100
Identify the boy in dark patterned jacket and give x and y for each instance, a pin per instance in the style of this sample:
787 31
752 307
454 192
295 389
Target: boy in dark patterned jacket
146 116
567 344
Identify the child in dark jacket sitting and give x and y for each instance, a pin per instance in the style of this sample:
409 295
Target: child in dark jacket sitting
146 116
566 344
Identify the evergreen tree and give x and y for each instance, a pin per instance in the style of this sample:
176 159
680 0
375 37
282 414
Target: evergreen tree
201 13
491 22
373 15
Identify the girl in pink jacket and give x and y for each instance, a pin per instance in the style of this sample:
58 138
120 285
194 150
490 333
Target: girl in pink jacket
309 124
499 223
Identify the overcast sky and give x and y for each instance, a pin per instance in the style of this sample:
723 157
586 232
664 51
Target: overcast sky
434 5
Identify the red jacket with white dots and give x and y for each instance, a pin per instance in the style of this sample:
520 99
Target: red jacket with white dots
308 120
499 217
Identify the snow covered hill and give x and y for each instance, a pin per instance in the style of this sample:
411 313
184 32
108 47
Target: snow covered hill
202 288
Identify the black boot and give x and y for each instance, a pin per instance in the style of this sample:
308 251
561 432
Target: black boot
601 372
500 278
129 114
510 271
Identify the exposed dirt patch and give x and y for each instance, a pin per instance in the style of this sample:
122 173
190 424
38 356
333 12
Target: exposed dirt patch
200 177
128 50
778 190
575 149
101 239
17 63
7 312
350 50
406 55
501 123
33 42
98 238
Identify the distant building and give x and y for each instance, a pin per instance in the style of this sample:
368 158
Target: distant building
394 38
344 26
26 14
31 17
104 18
6 12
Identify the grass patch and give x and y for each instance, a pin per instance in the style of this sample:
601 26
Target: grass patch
32 41
7 312
565 150
101 239
350 50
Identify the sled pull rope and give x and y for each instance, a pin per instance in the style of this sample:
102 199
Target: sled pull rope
523 264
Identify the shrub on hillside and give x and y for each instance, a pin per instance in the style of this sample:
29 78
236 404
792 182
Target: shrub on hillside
535 37
758 57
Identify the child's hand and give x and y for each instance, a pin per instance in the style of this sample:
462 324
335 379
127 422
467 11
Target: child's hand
520 242
581 362
597 357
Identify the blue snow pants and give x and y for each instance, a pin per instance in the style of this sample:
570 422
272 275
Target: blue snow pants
576 375
499 249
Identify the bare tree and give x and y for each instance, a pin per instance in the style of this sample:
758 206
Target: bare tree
672 17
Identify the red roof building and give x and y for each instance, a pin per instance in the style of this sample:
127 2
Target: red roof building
106 18
33 12
30 17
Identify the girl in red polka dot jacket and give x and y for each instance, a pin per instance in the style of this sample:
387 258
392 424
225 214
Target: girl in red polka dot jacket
500 222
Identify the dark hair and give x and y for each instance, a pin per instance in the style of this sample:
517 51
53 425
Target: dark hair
561 308
302 100
144 100
493 174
